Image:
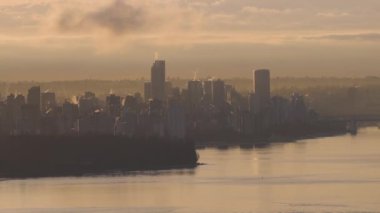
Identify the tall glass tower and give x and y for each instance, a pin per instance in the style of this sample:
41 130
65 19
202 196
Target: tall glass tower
158 80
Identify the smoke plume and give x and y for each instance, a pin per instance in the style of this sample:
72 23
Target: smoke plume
117 18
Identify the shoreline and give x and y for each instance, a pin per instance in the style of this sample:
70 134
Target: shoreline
262 142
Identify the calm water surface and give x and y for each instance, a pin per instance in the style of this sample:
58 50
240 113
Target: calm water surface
336 174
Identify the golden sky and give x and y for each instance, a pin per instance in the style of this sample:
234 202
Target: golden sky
114 39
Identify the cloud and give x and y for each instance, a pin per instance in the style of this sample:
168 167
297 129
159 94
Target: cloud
117 18
18 17
332 14
270 11
374 37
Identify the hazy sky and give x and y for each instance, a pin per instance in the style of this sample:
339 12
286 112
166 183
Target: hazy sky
113 39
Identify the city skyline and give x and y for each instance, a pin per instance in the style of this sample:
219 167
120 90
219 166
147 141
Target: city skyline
51 40
208 106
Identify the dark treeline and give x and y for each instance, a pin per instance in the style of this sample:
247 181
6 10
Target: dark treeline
282 133
29 156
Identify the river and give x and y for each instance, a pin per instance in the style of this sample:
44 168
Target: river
332 174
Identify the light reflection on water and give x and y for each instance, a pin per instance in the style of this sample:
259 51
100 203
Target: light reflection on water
336 174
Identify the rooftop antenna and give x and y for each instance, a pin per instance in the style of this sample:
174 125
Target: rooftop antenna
156 56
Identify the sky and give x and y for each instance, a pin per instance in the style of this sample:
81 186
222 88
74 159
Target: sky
45 40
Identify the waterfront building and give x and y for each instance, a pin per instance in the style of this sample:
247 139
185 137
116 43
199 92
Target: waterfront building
30 120
128 122
280 110
262 90
98 123
176 120
70 114
156 119
298 109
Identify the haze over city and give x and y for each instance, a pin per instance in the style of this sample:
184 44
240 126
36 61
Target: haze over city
69 40
179 106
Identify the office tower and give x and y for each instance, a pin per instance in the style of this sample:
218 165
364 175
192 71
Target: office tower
128 123
262 89
176 120
70 114
113 105
280 110
20 100
88 104
228 91
131 103
156 118
168 89
158 80
99 123
252 103
47 101
34 97
176 93
8 114
147 91
195 92
30 113
207 89
298 108
219 93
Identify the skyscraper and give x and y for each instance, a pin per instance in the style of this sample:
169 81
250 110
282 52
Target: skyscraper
47 101
158 80
147 91
262 89
207 89
219 93
114 105
195 91
176 123
34 97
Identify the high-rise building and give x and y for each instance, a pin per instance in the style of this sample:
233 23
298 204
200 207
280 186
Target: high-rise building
207 89
47 100
168 89
156 118
219 93
31 112
158 80
20 100
176 120
262 89
147 91
228 90
88 103
114 105
70 114
128 122
195 92
34 97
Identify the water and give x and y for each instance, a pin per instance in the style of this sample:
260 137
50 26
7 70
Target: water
336 174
